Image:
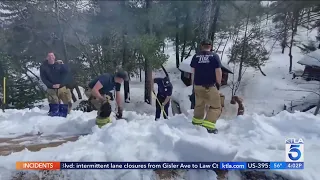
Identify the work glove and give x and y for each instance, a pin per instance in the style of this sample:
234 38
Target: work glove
119 113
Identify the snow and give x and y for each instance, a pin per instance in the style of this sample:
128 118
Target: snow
258 135
311 59
245 138
21 122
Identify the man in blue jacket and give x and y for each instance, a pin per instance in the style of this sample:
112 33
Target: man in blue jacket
164 95
53 74
98 92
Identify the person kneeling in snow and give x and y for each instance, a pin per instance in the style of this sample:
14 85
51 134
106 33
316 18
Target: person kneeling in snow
206 78
98 90
163 96
53 74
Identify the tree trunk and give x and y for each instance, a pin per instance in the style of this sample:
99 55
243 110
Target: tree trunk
164 70
185 36
215 20
308 19
147 65
164 44
294 26
243 50
140 74
267 12
148 81
177 50
290 53
224 47
63 43
191 48
216 49
234 38
259 67
183 49
126 84
285 33
177 40
204 20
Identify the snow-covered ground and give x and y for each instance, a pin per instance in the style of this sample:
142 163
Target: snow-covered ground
245 138
252 137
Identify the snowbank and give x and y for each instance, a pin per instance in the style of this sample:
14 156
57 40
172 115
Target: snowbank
246 138
20 122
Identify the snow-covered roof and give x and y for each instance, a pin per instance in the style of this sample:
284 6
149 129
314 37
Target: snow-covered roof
304 103
185 65
311 59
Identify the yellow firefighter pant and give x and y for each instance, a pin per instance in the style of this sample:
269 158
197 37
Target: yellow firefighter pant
207 97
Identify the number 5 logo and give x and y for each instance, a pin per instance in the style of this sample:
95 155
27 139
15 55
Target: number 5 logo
294 149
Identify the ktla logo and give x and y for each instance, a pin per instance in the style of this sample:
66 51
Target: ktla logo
294 150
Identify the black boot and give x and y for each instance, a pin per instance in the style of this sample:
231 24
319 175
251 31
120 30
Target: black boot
214 131
103 117
105 110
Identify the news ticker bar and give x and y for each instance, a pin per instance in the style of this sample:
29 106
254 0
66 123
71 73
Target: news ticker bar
159 165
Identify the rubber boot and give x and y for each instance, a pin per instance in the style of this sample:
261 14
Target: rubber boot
63 109
54 110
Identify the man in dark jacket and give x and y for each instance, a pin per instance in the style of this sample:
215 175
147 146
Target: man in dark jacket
53 74
164 95
98 93
206 78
